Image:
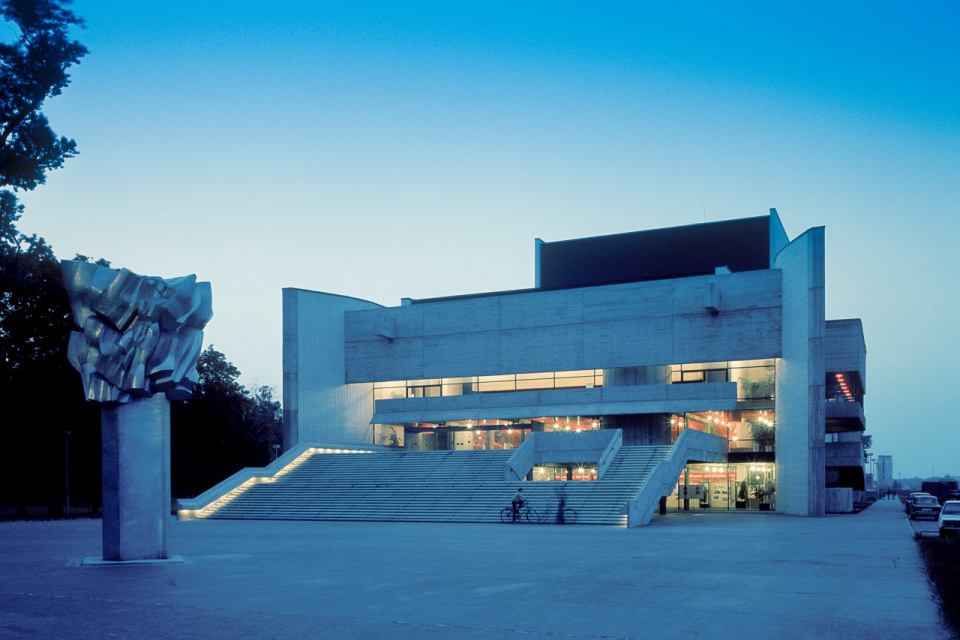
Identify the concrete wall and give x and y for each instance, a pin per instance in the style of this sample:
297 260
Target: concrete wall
839 500
317 405
559 447
778 237
843 454
800 378
626 325
845 348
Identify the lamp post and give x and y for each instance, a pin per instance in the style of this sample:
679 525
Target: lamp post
66 452
276 452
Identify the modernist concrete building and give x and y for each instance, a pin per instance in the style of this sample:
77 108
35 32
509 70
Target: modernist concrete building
716 327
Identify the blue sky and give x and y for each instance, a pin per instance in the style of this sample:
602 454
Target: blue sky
388 150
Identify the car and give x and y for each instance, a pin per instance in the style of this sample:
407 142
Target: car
924 506
913 494
949 520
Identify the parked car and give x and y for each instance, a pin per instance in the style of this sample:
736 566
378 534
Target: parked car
924 506
949 520
913 494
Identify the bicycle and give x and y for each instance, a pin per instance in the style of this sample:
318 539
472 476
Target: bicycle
526 511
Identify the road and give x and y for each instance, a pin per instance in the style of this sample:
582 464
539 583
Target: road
923 526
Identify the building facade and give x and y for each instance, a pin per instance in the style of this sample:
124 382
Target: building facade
716 327
884 472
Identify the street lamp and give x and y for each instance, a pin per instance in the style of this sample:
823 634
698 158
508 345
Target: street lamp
66 452
276 452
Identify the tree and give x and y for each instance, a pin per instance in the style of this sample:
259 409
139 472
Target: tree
38 387
40 391
221 429
33 68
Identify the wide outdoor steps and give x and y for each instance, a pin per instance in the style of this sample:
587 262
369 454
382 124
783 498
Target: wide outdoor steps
431 486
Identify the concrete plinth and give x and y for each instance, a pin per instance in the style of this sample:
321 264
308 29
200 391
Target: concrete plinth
136 479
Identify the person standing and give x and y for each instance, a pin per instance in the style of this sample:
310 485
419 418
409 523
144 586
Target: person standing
561 503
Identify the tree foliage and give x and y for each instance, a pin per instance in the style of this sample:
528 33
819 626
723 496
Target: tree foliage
33 68
223 428
40 391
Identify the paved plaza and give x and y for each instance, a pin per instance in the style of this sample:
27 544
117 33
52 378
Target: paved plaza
685 576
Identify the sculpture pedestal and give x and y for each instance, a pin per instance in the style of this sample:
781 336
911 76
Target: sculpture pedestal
136 478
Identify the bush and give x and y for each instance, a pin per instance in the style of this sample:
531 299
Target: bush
942 557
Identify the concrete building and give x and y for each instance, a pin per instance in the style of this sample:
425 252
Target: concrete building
884 472
718 328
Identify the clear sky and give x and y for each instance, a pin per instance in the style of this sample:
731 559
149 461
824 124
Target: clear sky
388 150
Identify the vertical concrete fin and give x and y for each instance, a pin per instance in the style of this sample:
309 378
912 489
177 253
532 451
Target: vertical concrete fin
800 378
322 407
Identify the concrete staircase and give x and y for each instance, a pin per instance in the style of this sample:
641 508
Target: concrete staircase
428 486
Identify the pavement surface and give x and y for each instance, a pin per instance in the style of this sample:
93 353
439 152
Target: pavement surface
709 575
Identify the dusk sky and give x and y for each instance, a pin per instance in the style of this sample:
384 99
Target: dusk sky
388 150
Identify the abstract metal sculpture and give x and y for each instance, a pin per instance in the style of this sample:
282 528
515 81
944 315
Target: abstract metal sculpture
139 336
137 349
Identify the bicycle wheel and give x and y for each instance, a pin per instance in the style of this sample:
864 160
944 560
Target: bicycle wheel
506 515
532 516
569 516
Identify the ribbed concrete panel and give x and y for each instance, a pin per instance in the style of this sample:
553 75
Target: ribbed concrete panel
461 316
638 340
800 378
636 324
541 309
844 454
656 299
318 405
476 350
554 348
844 416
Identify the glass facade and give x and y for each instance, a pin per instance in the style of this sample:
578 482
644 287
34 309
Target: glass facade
459 435
844 386
747 430
733 486
755 378
746 481
565 472
436 387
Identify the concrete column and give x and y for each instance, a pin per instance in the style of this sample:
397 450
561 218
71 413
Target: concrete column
136 478
800 379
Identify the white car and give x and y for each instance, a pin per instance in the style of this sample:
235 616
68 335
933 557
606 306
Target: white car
949 520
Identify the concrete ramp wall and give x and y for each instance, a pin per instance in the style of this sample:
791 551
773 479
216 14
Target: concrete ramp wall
691 446
564 447
192 508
